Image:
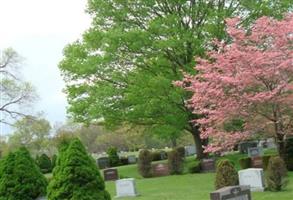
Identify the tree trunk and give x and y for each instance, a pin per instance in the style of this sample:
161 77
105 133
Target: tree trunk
174 142
281 146
199 143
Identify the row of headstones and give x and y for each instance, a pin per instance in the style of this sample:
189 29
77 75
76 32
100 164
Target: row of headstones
267 143
103 162
249 180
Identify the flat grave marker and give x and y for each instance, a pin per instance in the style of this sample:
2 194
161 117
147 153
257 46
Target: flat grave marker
232 193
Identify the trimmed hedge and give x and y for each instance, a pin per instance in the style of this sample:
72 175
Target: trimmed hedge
226 174
245 163
265 161
175 162
194 167
276 174
289 154
113 157
145 163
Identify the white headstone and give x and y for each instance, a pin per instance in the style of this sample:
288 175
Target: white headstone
254 177
190 150
126 188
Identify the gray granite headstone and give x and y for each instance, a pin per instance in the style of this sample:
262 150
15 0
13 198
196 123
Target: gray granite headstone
254 177
232 193
131 159
243 146
126 188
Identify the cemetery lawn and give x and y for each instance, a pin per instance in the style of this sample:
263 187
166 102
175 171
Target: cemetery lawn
187 186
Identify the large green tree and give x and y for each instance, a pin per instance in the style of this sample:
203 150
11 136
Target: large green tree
125 64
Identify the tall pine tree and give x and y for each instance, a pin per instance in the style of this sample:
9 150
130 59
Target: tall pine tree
76 176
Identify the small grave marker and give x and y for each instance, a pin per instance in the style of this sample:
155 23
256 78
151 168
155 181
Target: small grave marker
232 193
160 170
126 188
208 165
103 162
111 174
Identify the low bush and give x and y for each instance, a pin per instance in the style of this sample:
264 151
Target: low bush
113 156
44 163
175 162
276 174
194 167
145 163
265 161
245 163
226 174
54 158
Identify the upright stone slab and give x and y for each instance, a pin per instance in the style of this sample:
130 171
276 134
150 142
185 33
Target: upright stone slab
243 146
160 170
256 153
208 165
111 175
131 159
254 177
126 188
232 193
103 162
190 150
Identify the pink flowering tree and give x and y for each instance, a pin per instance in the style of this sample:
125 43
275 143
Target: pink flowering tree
250 78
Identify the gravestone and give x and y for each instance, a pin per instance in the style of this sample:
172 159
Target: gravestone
190 150
255 154
126 188
208 165
103 162
232 193
160 170
111 174
243 146
131 159
254 177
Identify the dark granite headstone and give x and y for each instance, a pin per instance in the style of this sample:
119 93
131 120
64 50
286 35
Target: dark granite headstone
243 146
111 174
241 192
103 162
256 162
160 170
208 165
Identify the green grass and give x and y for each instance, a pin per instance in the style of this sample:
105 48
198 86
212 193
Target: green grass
188 186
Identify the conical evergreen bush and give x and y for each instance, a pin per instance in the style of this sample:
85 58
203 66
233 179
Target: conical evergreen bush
76 176
20 177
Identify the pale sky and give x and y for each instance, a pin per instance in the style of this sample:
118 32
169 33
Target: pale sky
39 30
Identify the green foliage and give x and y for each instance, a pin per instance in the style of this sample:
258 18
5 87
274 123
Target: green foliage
20 178
143 47
289 154
145 163
44 163
234 125
175 162
276 174
113 156
54 160
76 175
156 155
194 167
226 174
245 162
265 161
